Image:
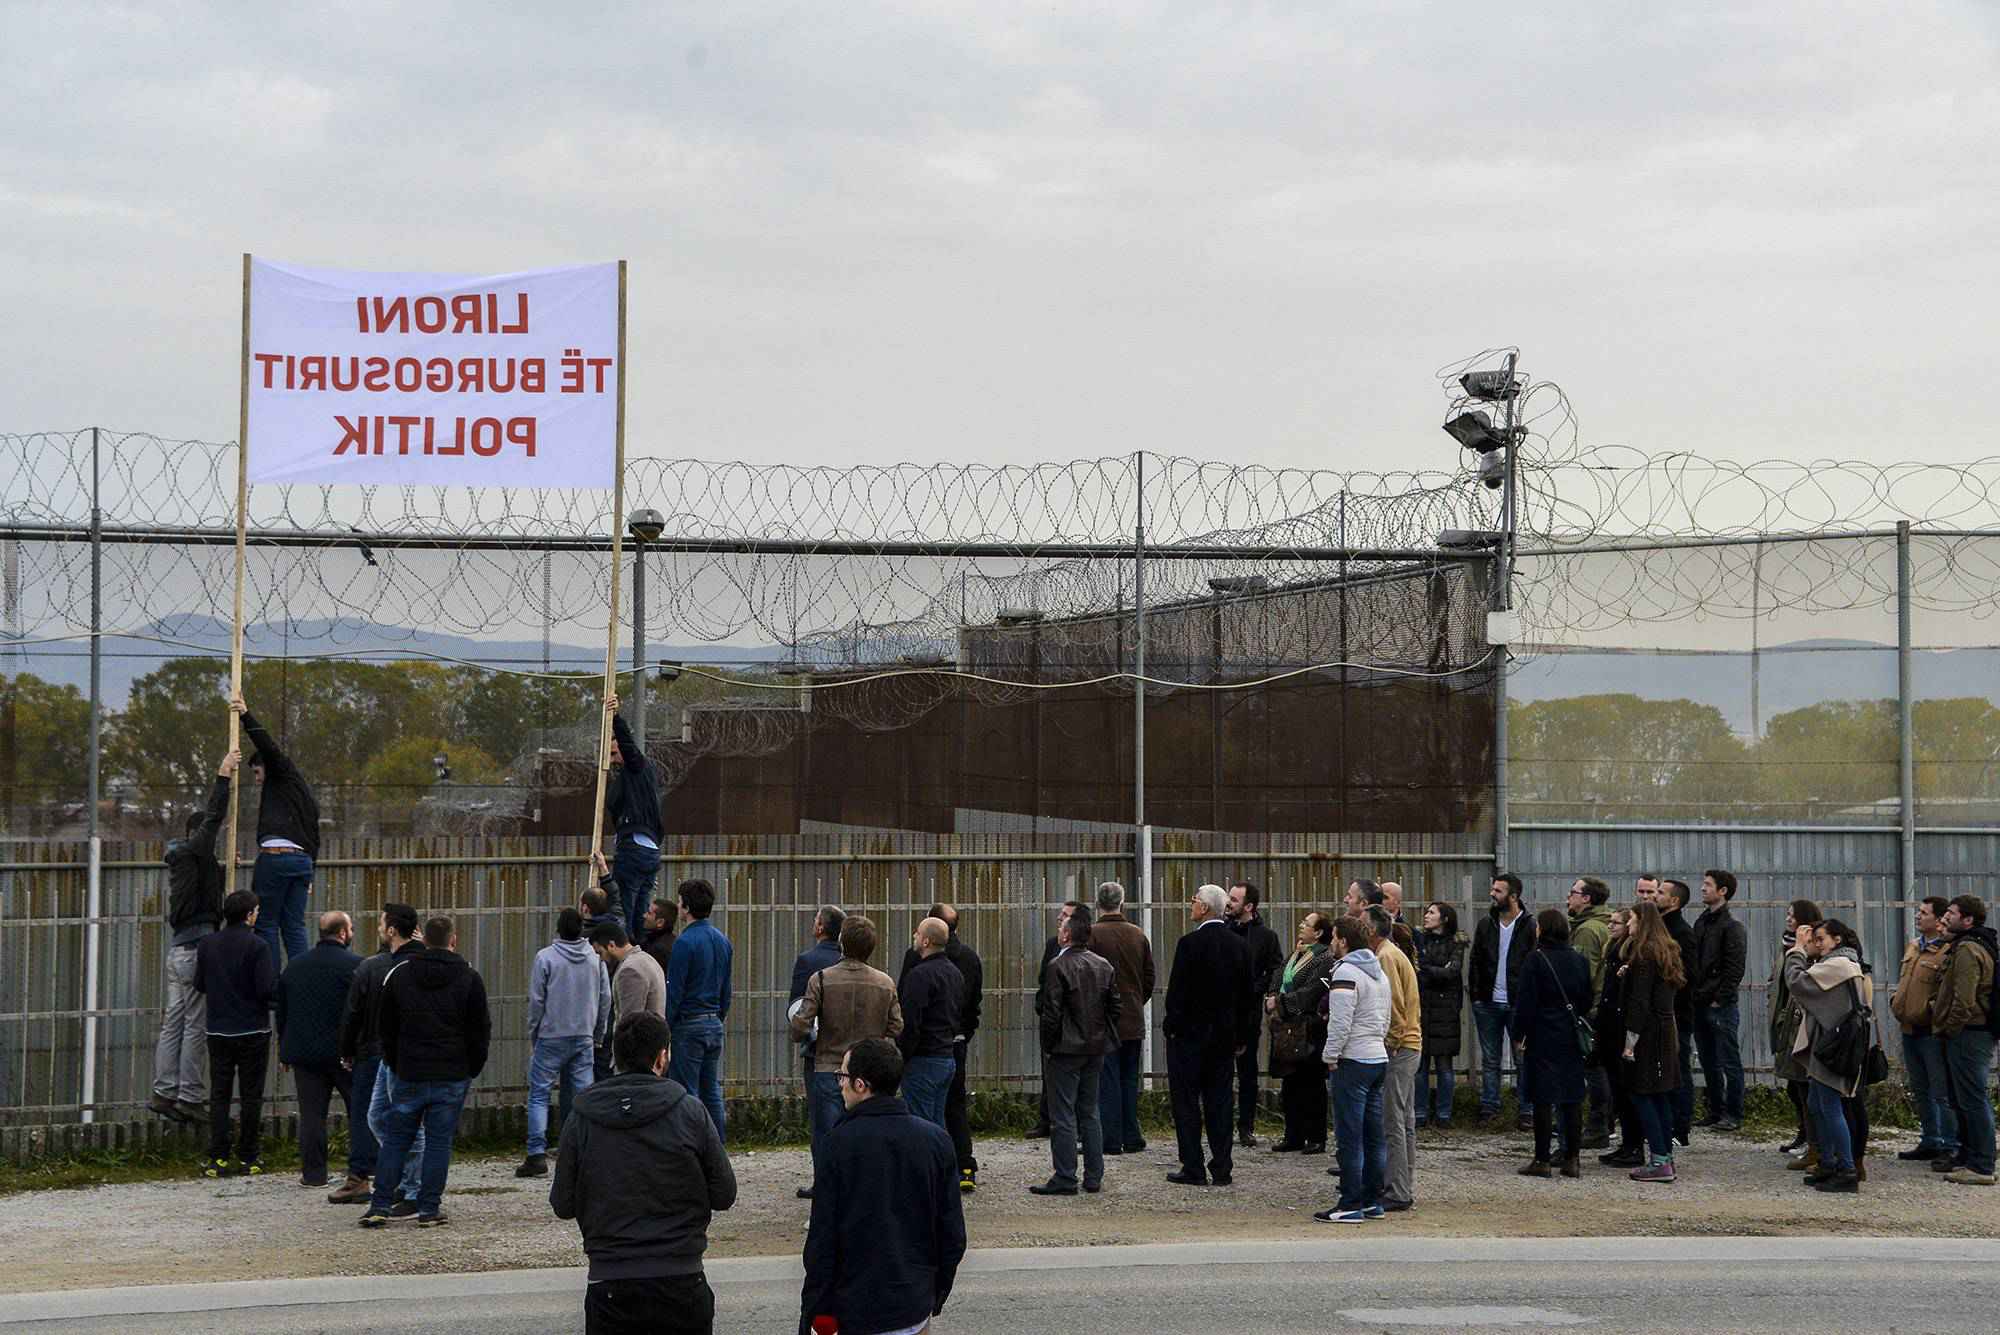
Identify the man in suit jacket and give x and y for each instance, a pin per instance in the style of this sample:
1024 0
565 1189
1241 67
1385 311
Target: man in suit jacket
1040 1130
1211 1015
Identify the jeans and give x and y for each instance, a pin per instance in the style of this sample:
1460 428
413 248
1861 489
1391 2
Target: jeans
1399 1123
429 1106
1656 1114
1492 1021
282 882
1073 1109
1717 1036
1364 1150
317 1085
1684 1092
1246 1085
1930 1090
824 1107
696 1065
550 1060
1836 1148
180 1058
1434 1104
1968 1055
667 1305
956 1120
378 1129
635 870
237 1061
926 1080
1118 1094
1202 1083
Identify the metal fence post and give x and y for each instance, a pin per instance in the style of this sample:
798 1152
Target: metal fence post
94 896
1905 733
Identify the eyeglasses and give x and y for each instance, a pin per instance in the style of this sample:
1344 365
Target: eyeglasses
843 1077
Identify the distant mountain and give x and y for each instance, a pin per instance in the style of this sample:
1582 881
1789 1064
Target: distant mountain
129 657
1789 676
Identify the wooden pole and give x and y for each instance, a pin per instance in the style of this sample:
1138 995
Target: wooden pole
236 631
617 559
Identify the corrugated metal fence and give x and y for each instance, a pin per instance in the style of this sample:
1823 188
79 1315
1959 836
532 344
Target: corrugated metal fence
506 892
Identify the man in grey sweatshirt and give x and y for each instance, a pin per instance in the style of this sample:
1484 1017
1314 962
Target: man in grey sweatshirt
569 1004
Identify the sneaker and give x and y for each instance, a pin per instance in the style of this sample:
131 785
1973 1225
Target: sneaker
1729 1124
1662 1171
438 1220
356 1190
1037 1133
194 1114
1969 1177
1338 1216
1795 1144
1947 1164
218 1168
1623 1159
968 1180
309 1182
1374 1212
1805 1163
252 1168
535 1165
403 1209
165 1107
375 1219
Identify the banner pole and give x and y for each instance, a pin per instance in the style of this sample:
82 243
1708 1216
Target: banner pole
617 559
236 621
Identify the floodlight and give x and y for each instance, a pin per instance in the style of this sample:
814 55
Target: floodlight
1493 470
665 670
1490 386
1475 431
646 525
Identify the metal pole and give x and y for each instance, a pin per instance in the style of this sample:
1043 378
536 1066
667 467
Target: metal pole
1139 655
1756 660
1502 600
639 639
95 893
1905 733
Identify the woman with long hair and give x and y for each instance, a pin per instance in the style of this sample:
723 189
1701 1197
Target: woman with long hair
1823 974
1440 961
1785 1020
1649 1043
1610 1053
1555 992
1301 1077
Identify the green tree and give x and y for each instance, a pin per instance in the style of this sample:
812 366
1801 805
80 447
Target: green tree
44 742
174 728
1842 752
408 764
1620 756
1958 748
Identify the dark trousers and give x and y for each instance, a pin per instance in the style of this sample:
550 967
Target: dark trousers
1303 1095
1856 1109
1598 1081
1203 1086
1718 1040
669 1305
1626 1106
1118 1095
635 870
1684 1094
955 1121
237 1062
1246 1085
1796 1091
1572 1128
317 1085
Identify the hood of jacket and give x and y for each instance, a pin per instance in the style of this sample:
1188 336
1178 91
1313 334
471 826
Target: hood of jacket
1365 961
435 969
1595 913
576 952
623 1102
1835 968
1985 936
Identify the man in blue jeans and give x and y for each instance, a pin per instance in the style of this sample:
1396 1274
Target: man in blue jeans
1357 1057
698 1001
1500 946
361 1052
1962 1016
569 1004
931 992
435 1031
287 842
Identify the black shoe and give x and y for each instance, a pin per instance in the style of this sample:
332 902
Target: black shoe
1247 1139
1037 1133
1921 1154
1729 1124
1713 1119
1221 1180
1333 1171
1053 1188
1600 1141
535 1165
804 1193
1682 1135
1138 1147
1320 1148
1187 1179
1622 1159
403 1210
1286 1147
1844 1181
1946 1163
438 1220
1793 1146
374 1219
1396 1207
1524 1124
165 1107
1093 1187
1114 1149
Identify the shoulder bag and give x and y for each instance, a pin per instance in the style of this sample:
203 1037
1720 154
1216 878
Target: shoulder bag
1586 1035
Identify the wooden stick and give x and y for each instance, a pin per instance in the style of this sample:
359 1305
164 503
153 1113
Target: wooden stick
236 632
617 559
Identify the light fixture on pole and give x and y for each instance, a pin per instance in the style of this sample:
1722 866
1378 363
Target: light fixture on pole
645 526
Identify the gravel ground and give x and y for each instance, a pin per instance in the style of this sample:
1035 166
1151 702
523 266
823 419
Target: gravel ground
179 1232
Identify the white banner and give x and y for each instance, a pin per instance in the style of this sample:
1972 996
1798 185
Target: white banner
397 379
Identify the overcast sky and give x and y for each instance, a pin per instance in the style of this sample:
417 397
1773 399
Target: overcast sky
869 232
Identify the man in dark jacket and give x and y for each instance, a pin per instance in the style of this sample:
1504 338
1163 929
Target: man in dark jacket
1267 956
233 971
287 842
929 992
1500 947
1079 1024
641 1170
888 1228
1672 897
956 1121
656 932
312 993
1211 1015
823 953
194 909
1040 1129
435 1032
1122 944
361 1053
1720 948
632 806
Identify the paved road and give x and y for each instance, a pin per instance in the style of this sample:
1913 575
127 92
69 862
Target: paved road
1341 1282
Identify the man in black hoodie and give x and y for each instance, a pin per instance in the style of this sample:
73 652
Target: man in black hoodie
233 970
1267 956
641 1169
287 842
194 909
632 804
435 1032
361 1053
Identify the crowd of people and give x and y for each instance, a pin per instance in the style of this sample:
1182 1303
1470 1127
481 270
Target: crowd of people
1603 1009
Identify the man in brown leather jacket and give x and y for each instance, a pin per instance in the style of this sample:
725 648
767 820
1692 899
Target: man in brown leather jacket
1079 1011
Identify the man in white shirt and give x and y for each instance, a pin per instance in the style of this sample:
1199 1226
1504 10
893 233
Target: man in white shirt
1500 946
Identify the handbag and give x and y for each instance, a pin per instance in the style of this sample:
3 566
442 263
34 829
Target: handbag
1586 1034
1292 1041
1847 1050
